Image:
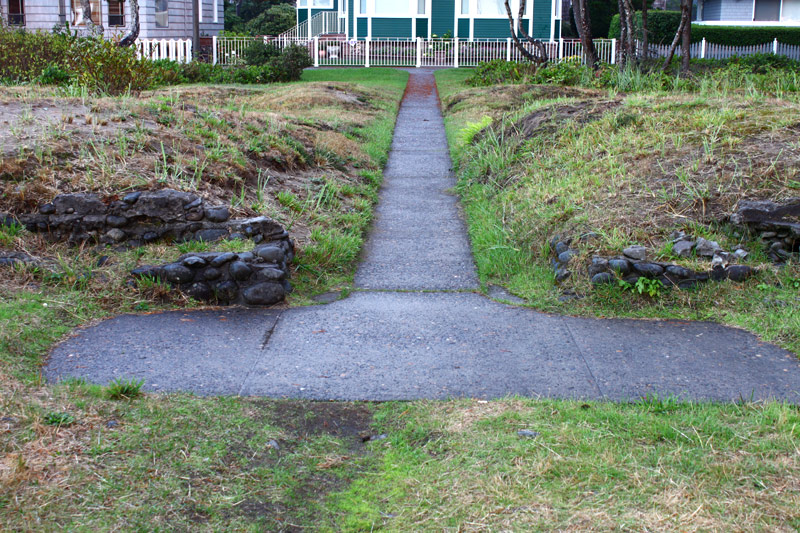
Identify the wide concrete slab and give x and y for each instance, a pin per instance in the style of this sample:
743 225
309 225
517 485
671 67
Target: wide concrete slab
206 352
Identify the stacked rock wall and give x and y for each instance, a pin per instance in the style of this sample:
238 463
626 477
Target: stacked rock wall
142 217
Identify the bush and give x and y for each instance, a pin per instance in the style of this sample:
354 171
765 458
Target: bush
500 71
54 75
661 26
103 67
25 55
274 21
290 64
260 53
745 36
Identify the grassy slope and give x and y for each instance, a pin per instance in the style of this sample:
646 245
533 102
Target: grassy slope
176 462
621 177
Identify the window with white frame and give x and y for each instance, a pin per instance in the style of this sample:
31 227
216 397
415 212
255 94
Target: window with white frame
302 3
465 7
323 4
767 10
391 7
162 13
78 16
116 13
16 12
420 7
791 11
362 7
490 7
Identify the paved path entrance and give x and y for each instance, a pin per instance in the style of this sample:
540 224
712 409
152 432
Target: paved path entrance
415 330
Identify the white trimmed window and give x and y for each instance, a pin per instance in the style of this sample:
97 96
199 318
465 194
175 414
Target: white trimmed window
16 12
116 13
491 8
79 18
162 13
791 11
392 7
323 4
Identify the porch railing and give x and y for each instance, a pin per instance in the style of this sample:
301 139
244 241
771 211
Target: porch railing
173 49
323 23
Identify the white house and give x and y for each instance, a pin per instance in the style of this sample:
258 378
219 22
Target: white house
748 12
158 19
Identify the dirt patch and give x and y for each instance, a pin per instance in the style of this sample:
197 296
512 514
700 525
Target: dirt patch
350 421
548 120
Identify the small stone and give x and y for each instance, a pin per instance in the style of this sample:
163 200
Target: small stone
768 235
116 235
561 248
706 248
562 274
683 248
269 274
131 197
115 221
199 291
679 272
266 293
621 266
210 235
720 259
47 209
527 433
240 271
635 252
102 260
566 257
194 215
247 256
718 273
211 273
177 273
237 236
739 272
111 424
217 214
678 235
227 291
741 253
599 264
589 236
287 287
150 236
270 253
650 270
603 277
273 444
194 262
382 436
146 271
194 203
223 258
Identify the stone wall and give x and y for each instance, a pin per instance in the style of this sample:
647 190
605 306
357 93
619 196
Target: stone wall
249 278
142 217
777 224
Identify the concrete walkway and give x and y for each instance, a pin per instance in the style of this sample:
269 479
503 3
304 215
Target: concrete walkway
414 329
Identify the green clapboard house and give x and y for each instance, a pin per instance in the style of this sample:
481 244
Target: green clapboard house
408 19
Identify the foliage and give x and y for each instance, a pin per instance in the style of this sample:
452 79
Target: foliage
124 389
54 75
500 71
25 55
468 133
290 64
59 419
745 36
650 287
103 67
260 53
274 21
661 26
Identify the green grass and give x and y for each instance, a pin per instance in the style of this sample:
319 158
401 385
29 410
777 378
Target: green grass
640 167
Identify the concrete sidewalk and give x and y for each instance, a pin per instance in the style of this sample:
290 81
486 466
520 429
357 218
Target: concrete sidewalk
415 328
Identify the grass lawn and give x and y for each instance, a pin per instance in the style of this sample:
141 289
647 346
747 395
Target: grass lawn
630 168
76 456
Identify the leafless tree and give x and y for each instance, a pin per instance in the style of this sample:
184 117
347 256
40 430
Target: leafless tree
627 48
133 33
539 56
645 36
584 24
683 36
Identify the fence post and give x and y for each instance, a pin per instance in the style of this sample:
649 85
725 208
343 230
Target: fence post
366 52
613 51
508 49
455 52
560 48
775 46
703 48
316 51
419 52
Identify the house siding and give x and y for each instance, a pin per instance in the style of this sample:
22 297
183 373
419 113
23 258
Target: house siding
737 10
422 28
362 28
491 28
391 27
542 19
442 17
351 6
712 10
463 29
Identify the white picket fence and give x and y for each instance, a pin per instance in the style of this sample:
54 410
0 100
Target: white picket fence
706 50
173 49
418 52
324 22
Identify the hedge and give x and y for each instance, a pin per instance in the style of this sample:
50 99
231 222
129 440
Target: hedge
663 25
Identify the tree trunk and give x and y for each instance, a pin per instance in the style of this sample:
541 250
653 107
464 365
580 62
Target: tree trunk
645 36
675 41
88 18
584 25
627 36
133 34
540 56
686 15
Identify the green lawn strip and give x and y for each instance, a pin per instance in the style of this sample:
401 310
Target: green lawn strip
657 465
518 195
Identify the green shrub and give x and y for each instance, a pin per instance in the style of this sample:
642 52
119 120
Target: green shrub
500 71
103 67
745 36
25 55
54 75
290 64
122 389
661 26
260 53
